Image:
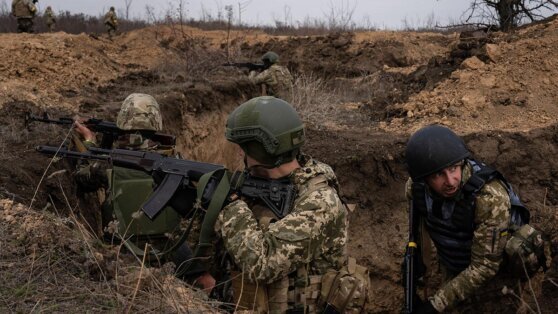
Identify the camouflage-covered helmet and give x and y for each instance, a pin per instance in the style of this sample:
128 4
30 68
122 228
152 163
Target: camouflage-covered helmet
270 57
432 149
112 8
140 112
267 129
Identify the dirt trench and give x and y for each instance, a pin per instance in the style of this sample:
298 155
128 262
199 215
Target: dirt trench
368 160
370 164
372 175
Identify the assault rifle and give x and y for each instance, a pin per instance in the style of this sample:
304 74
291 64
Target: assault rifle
109 129
177 174
248 65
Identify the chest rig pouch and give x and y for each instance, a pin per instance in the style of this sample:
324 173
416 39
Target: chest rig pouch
129 189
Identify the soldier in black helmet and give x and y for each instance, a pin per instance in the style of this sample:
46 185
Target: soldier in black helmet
467 209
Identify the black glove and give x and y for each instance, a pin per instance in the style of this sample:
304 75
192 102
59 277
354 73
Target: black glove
424 307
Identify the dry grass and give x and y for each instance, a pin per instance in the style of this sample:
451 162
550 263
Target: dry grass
54 264
314 100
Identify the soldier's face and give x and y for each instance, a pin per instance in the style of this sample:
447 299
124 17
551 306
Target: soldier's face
447 181
254 169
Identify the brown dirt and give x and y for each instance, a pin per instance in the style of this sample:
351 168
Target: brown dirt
385 85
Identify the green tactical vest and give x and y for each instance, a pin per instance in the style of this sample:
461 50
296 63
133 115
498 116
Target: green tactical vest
129 189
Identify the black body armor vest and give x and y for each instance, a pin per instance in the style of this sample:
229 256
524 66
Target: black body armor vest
451 222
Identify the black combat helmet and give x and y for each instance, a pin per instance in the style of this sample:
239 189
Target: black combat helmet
432 149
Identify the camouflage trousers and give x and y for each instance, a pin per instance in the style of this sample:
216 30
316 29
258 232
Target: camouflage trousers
24 25
111 30
51 26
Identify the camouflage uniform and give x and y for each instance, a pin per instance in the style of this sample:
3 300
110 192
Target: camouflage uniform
111 22
277 80
50 19
24 11
121 191
491 217
311 239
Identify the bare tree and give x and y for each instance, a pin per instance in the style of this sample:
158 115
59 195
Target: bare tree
127 5
508 14
287 15
229 9
340 17
241 8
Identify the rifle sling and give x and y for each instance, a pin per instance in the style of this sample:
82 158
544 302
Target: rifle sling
207 232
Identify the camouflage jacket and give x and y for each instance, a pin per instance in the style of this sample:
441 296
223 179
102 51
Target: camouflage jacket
487 251
49 16
313 235
110 19
23 8
278 81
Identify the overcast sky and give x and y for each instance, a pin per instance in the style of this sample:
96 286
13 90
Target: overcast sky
379 13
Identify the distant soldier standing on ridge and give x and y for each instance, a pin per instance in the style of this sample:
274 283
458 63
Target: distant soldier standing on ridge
50 19
111 22
24 11
276 80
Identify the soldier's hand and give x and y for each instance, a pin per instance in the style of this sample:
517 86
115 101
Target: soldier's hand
82 130
206 281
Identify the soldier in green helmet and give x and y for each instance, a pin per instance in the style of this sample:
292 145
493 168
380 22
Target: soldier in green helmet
122 191
276 80
286 264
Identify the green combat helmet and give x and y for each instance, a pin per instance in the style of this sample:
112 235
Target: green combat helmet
270 57
140 112
267 129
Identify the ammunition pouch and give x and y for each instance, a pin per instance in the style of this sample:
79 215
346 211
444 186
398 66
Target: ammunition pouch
525 251
345 290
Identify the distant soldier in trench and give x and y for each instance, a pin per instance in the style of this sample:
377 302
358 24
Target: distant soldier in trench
50 19
473 217
111 22
120 192
24 11
275 80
